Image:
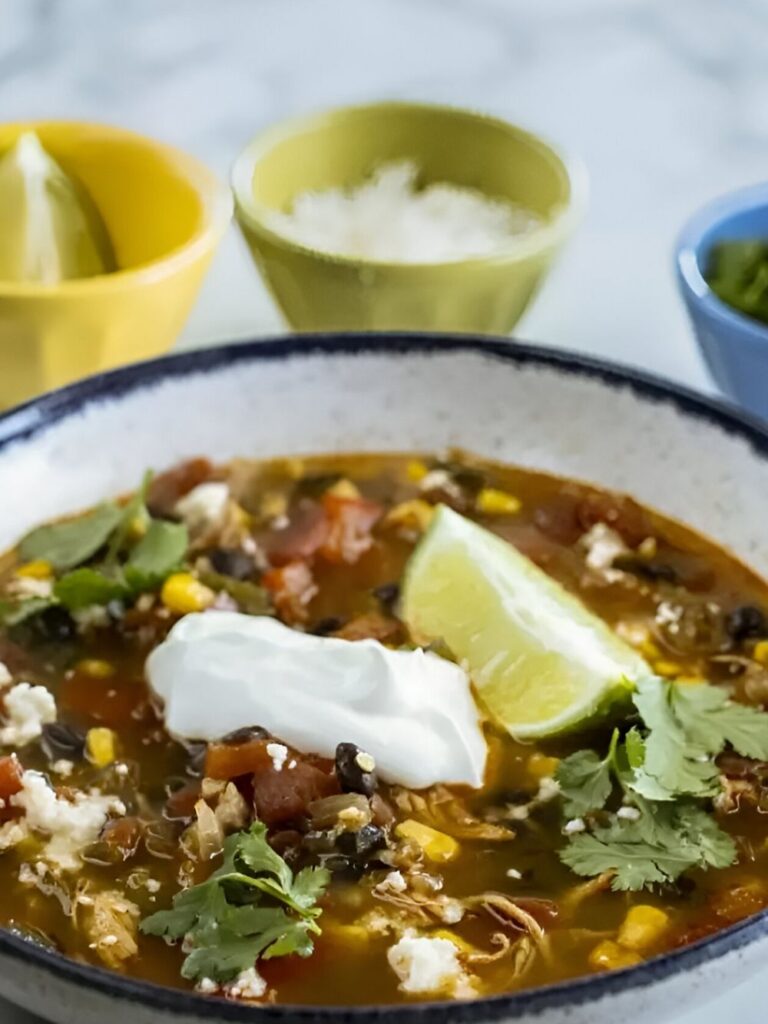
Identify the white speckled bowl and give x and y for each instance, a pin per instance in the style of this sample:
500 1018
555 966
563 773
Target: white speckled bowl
689 457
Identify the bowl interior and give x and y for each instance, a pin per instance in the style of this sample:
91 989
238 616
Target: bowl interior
153 198
343 147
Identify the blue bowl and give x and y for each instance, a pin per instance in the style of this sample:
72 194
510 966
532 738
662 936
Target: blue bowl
734 346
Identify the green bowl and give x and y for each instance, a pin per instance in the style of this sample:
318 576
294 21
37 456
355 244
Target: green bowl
322 291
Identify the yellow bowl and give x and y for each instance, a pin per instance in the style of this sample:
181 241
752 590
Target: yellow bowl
165 213
320 291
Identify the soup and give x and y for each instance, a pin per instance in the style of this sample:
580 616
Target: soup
255 746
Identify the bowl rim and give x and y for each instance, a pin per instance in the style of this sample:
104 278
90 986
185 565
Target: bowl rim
39 414
688 251
217 204
563 221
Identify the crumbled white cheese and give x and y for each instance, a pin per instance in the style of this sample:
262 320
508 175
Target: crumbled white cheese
152 885
203 507
5 675
63 767
122 769
633 631
440 480
95 616
549 788
12 833
249 984
428 965
28 586
628 813
519 813
69 825
602 545
573 826
450 910
514 873
279 755
207 986
390 217
394 881
27 709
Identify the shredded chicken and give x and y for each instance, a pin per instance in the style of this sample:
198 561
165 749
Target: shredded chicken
443 810
111 922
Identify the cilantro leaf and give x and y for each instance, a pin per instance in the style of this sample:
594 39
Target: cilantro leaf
13 613
85 586
158 553
65 545
665 841
711 720
585 782
224 923
135 508
689 725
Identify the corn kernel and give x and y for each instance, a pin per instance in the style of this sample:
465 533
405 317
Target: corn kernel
39 569
138 526
415 515
539 765
650 650
668 669
609 956
100 745
461 944
437 846
273 505
344 488
642 928
183 593
493 502
760 652
97 668
416 470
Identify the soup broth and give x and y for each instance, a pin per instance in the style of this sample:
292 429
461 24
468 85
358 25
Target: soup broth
134 815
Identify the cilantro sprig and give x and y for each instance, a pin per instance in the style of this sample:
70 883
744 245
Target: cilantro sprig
253 906
666 770
123 570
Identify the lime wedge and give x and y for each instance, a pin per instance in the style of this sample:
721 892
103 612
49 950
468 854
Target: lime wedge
540 661
52 230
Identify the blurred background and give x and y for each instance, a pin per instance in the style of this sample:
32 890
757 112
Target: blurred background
665 102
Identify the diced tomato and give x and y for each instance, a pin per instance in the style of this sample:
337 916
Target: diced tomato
10 784
10 776
283 796
166 488
350 521
229 760
305 533
292 587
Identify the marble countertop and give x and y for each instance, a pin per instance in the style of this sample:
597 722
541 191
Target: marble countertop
665 102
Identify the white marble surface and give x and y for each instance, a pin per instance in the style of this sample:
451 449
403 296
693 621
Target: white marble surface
665 100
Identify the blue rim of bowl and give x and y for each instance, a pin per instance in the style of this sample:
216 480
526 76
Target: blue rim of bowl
38 414
688 254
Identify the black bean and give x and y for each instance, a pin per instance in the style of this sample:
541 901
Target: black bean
362 844
355 770
53 625
746 623
233 562
330 624
244 735
647 569
60 741
387 595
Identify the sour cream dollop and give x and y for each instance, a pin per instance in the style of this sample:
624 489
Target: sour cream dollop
411 710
